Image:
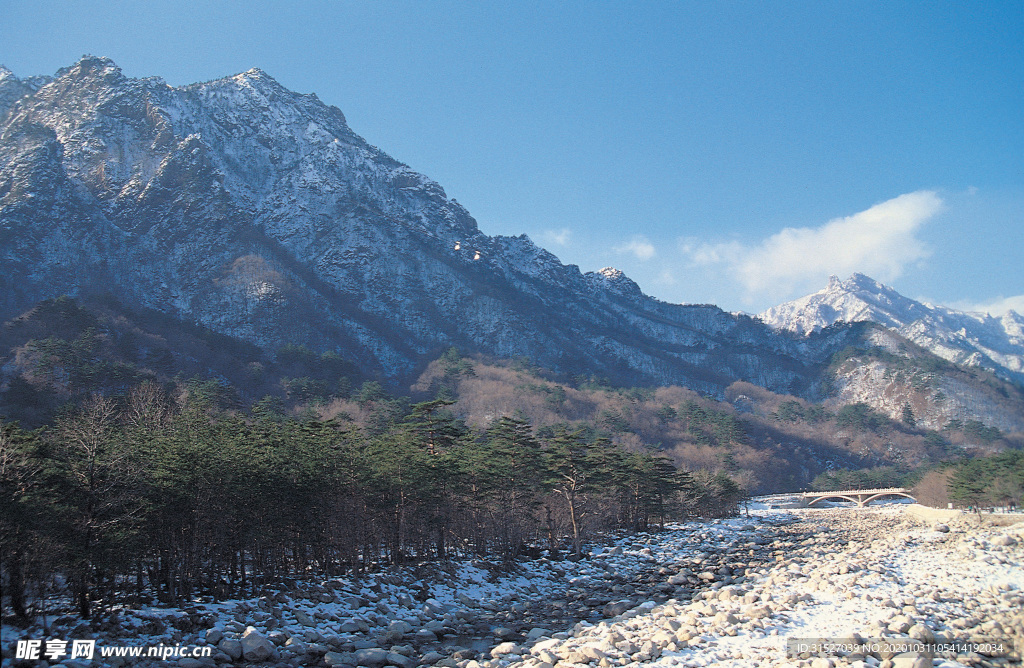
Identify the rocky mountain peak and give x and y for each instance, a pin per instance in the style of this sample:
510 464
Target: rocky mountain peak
259 213
13 89
972 339
614 280
92 67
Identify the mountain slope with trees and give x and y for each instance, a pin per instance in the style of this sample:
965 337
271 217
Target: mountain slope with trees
259 214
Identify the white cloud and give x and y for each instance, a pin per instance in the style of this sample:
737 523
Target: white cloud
557 237
666 277
638 246
880 242
996 307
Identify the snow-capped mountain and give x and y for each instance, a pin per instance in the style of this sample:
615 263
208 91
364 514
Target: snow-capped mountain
258 212
969 339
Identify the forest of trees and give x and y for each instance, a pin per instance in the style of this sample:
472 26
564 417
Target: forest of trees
125 481
989 481
158 496
993 481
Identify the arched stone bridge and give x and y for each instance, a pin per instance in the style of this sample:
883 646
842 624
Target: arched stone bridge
861 497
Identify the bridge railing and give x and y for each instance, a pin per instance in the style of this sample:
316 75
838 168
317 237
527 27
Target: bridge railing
886 490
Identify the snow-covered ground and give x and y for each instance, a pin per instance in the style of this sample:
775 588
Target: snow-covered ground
729 593
850 574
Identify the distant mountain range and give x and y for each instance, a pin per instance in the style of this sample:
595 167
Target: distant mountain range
256 220
969 339
257 212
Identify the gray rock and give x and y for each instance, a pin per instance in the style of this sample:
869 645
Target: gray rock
616 608
435 607
400 660
371 657
189 662
425 636
337 659
231 647
592 653
537 632
256 647
506 648
296 646
213 636
912 660
234 627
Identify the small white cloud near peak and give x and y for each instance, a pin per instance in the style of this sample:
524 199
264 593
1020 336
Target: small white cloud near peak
639 246
557 237
881 241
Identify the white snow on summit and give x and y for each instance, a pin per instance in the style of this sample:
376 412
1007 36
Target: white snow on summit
971 339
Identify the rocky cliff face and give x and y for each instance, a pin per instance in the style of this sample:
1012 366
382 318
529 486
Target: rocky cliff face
889 373
258 212
969 339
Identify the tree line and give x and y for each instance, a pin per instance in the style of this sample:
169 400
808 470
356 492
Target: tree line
157 497
997 480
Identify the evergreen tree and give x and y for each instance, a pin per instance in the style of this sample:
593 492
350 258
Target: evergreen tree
571 474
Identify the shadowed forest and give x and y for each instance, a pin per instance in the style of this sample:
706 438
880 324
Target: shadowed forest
121 480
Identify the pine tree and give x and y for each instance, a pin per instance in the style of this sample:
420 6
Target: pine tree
503 470
571 474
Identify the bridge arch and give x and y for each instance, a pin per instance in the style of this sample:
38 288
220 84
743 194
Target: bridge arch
880 495
834 496
861 497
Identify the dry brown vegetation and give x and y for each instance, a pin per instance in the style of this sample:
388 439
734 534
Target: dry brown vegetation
767 441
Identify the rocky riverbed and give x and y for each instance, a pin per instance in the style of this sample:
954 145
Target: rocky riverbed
729 593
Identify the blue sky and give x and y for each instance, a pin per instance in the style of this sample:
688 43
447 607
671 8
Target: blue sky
734 153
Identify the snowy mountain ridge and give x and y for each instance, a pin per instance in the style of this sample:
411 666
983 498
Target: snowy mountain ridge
259 213
965 338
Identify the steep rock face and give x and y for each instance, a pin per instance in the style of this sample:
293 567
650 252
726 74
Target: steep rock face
258 212
970 339
889 373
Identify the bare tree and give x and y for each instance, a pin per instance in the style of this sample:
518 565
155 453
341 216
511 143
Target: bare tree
102 494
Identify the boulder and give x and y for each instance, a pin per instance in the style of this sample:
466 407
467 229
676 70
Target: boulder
912 660
538 632
231 647
616 608
400 660
373 657
256 647
592 653
503 632
349 626
303 618
189 662
424 636
506 648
